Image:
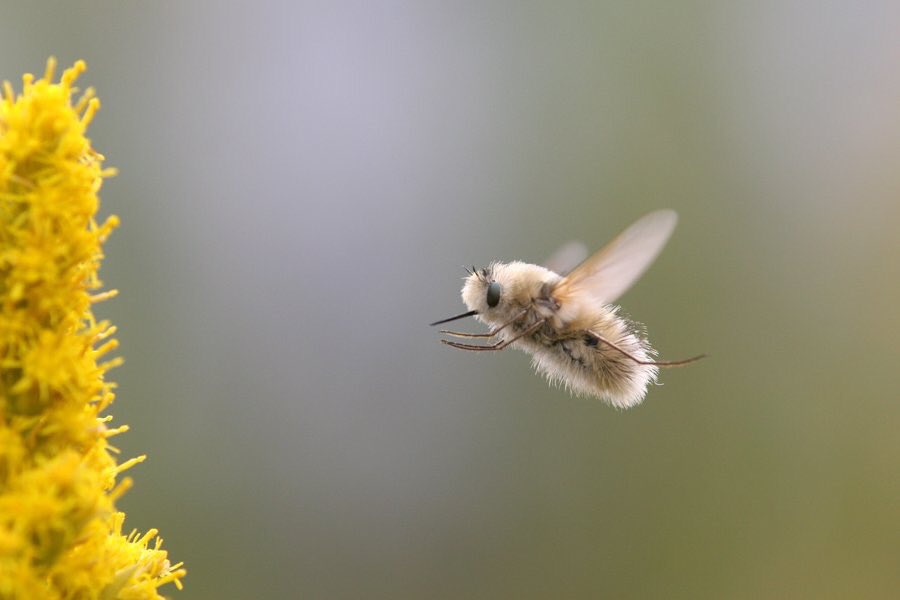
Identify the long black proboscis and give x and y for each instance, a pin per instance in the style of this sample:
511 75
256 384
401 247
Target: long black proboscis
462 316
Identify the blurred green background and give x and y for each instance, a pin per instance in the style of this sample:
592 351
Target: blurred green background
300 185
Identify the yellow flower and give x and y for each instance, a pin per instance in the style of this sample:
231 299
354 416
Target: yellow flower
60 534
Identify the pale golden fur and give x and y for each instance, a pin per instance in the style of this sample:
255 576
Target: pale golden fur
565 349
570 324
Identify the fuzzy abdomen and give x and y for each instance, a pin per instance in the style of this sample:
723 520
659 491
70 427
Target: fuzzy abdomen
585 365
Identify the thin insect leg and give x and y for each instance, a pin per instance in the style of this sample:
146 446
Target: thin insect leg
460 334
474 347
489 334
499 345
655 363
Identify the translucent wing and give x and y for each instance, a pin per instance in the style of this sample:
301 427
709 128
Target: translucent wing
608 274
567 257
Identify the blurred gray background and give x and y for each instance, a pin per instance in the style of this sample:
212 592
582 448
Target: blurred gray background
300 185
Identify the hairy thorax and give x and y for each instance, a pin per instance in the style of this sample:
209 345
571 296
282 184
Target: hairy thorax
568 347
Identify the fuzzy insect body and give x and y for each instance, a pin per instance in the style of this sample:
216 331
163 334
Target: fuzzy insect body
576 336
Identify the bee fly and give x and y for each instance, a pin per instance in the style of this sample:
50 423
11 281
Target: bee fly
568 323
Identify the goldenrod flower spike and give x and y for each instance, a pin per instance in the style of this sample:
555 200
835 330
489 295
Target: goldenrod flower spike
60 534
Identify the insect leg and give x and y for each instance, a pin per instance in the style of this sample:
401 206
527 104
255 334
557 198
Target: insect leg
489 334
655 363
499 345
460 334
473 347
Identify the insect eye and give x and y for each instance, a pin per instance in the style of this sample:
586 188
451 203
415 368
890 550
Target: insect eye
493 294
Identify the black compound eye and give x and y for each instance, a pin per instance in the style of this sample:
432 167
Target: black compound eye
493 294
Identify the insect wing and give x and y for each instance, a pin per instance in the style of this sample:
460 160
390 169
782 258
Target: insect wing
610 272
567 257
